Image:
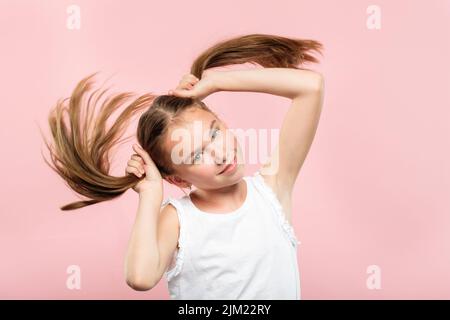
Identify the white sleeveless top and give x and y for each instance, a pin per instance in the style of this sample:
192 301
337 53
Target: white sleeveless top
249 253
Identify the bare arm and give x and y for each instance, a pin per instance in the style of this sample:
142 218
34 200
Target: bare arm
284 82
152 243
154 235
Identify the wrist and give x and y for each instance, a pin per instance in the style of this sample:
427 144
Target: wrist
219 80
151 190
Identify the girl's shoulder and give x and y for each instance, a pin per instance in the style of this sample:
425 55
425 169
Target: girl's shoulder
177 203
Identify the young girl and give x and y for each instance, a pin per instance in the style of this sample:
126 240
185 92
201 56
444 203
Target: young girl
230 238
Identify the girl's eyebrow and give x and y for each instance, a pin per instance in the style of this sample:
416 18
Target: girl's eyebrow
210 130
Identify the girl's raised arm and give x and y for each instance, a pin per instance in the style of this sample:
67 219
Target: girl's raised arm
305 88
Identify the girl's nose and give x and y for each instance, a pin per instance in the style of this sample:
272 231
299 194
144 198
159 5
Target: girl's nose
223 156
217 153
223 150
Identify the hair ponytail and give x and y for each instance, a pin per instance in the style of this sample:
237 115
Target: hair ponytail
80 152
81 155
269 51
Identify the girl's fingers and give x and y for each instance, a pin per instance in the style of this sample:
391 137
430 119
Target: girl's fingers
187 83
134 171
190 77
137 165
193 78
185 93
137 158
134 163
143 154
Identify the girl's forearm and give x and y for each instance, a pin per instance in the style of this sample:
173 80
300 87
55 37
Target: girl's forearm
285 82
142 260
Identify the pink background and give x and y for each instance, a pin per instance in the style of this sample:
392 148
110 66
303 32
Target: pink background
374 189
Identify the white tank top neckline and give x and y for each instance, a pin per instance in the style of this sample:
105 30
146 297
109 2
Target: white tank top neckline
230 214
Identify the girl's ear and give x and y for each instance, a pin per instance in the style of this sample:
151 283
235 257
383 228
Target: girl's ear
177 181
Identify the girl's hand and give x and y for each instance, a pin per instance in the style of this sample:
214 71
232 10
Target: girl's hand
141 165
191 87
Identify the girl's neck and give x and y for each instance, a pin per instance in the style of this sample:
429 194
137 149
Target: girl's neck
224 199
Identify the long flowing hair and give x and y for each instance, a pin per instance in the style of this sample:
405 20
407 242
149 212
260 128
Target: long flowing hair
82 143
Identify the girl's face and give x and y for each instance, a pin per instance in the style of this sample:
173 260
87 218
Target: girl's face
201 147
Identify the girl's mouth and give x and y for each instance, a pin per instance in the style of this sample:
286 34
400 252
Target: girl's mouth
230 168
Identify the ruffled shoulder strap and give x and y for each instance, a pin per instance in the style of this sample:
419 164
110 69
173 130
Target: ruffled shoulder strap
175 270
278 208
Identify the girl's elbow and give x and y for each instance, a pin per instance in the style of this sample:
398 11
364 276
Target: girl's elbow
318 82
312 85
140 284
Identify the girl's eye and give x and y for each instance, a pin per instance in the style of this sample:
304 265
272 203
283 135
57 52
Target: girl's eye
197 156
215 132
